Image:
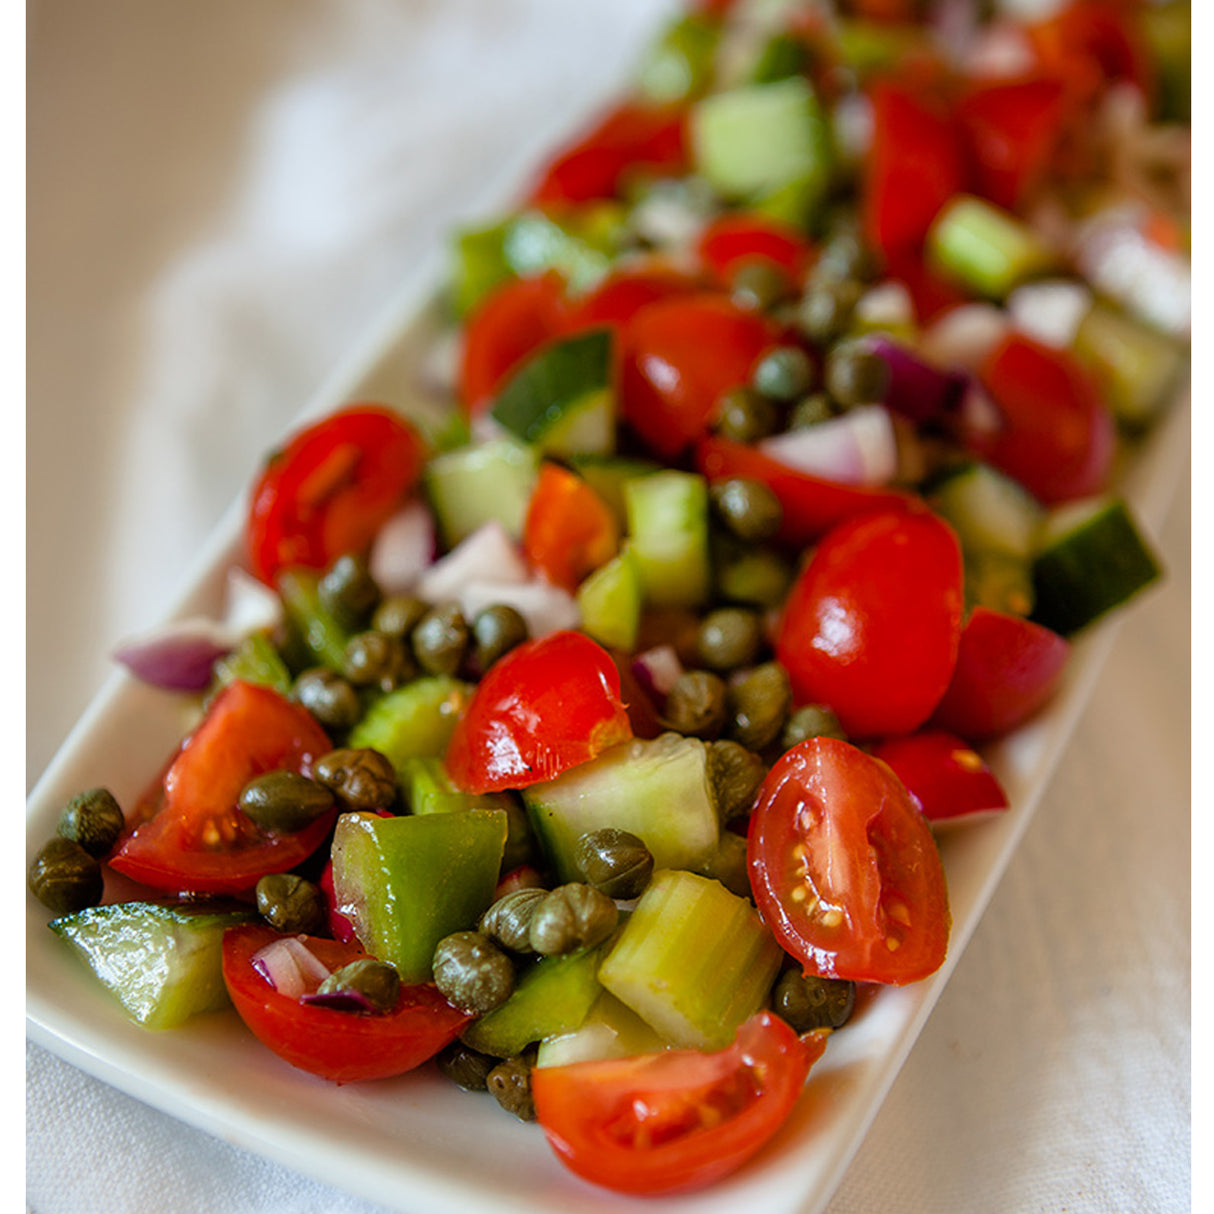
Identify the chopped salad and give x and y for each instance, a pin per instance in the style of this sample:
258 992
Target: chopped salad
590 743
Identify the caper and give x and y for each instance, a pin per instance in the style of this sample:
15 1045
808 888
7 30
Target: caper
810 411
329 698
744 416
369 982
508 920
93 819
856 374
730 637
734 775
374 659
284 800
826 309
348 591
495 631
359 778
571 917
808 1002
65 878
510 1084
844 256
811 721
695 705
758 285
520 842
616 862
290 904
464 1066
750 509
745 574
783 374
758 705
440 639
397 615
472 972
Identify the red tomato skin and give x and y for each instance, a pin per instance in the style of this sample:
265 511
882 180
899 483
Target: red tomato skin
615 300
678 358
1007 670
546 706
834 823
735 239
330 489
811 505
588 1110
1058 438
248 731
872 623
504 328
1094 43
569 530
345 1047
945 778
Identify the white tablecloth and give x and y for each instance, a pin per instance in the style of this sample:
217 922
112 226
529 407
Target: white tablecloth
222 197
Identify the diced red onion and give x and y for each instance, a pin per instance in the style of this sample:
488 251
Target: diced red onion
658 669
545 607
963 336
978 417
1050 311
917 389
249 606
404 548
289 966
439 370
489 554
859 448
178 657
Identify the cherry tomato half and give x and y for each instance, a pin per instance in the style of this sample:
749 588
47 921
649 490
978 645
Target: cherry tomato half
872 623
196 839
569 530
945 777
844 868
345 1047
617 298
545 707
740 238
681 1120
330 489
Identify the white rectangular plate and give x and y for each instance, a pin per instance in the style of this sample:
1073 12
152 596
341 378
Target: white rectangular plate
404 1143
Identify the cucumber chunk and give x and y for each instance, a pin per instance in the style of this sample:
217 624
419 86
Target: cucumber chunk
471 486
163 963
608 474
417 719
1092 559
405 883
989 511
658 789
679 62
668 525
987 249
610 602
611 1030
693 961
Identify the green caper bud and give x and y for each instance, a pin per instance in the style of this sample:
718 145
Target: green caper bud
856 374
465 1067
808 1002
811 721
695 705
93 819
784 374
472 972
743 416
758 576
510 1085
284 800
843 256
826 309
759 285
615 862
758 705
508 920
571 917
398 614
359 778
329 698
440 639
734 775
730 637
348 591
814 408
367 981
495 631
290 904
65 878
374 659
750 509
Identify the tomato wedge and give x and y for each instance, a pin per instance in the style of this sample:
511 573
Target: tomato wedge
545 707
871 625
194 838
617 298
945 777
844 868
569 530
345 1047
738 239
330 489
672 1122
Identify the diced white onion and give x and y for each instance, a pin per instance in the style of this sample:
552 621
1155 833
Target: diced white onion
249 606
489 554
546 608
964 335
859 448
659 668
404 548
1051 311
